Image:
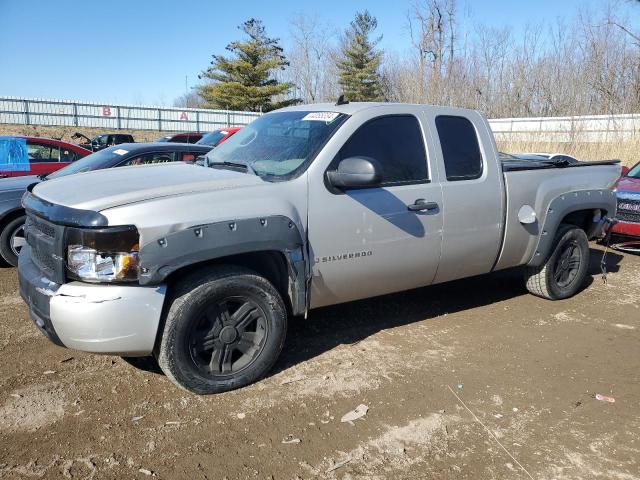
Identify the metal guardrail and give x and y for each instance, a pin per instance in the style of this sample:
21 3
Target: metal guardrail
33 111
590 128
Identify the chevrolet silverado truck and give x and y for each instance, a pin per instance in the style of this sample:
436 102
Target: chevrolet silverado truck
308 206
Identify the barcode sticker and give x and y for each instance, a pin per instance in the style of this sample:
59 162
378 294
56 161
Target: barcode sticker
321 116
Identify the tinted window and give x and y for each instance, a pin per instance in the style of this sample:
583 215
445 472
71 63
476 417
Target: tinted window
190 156
39 152
212 138
460 149
634 172
122 139
67 155
147 158
396 143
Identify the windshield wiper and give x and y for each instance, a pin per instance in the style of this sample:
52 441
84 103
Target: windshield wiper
226 163
42 176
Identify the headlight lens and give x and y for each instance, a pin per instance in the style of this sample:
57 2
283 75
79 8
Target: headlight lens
103 255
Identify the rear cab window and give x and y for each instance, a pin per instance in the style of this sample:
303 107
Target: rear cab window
460 148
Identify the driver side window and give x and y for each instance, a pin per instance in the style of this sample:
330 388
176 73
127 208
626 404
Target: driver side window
396 143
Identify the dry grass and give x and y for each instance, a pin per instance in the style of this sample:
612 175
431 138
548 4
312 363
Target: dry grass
628 151
64 133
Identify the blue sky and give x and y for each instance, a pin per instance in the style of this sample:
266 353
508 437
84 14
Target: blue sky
139 51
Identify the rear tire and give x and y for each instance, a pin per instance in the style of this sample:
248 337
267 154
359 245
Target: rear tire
12 240
223 330
564 272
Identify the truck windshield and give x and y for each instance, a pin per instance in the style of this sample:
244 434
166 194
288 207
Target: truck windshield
278 144
95 161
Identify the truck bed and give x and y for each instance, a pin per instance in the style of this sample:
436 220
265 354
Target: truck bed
512 165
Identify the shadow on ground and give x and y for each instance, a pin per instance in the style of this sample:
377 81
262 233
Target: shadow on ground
348 323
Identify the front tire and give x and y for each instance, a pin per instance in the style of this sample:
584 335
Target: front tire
12 240
564 272
223 330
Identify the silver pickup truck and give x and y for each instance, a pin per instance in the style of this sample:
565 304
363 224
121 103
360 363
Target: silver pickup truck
307 206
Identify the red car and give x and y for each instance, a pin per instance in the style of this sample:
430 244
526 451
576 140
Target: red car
40 156
185 137
218 136
628 193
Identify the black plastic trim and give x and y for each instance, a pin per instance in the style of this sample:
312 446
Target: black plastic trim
562 206
202 243
62 215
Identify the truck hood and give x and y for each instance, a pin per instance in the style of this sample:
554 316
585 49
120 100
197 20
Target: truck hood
629 184
102 189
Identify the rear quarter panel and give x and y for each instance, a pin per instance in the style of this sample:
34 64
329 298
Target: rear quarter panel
538 189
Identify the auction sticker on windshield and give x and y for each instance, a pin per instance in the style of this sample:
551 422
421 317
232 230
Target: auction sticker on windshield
321 116
120 151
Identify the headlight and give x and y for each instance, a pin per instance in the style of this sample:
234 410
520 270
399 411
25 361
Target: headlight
103 255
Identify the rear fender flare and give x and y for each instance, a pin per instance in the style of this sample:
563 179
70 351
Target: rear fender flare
563 205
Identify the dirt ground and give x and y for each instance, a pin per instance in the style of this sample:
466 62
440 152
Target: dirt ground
473 379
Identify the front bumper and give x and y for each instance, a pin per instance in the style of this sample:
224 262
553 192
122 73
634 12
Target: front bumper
111 319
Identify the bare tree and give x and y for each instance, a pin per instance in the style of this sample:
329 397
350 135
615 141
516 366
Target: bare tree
310 58
189 100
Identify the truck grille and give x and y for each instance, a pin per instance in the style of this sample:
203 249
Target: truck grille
46 241
628 217
628 210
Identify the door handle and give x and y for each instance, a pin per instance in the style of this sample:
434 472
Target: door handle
422 204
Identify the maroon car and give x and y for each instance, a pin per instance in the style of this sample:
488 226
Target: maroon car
185 137
628 193
42 156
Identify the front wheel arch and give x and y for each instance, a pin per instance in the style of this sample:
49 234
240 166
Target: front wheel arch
197 293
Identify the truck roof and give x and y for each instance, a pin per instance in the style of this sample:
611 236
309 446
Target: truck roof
355 107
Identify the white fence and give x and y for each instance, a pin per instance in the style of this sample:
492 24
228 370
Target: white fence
31 111
593 128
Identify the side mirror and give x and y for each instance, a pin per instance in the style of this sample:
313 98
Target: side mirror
202 161
355 172
625 170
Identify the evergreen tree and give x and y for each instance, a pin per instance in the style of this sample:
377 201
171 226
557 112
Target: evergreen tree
359 67
244 81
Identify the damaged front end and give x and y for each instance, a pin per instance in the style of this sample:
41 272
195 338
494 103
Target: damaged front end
68 249
98 318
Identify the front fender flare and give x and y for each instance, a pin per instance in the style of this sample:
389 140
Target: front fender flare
200 243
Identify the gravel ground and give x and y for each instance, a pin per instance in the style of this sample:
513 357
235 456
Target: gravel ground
474 379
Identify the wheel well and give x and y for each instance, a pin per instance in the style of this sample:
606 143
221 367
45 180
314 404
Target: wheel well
271 264
582 218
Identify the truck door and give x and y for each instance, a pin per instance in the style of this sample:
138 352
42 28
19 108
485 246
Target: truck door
371 241
472 194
